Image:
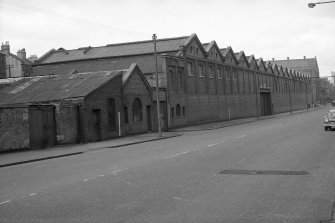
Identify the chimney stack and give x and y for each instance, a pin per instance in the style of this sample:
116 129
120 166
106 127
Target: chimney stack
22 53
5 47
273 59
33 58
288 58
304 57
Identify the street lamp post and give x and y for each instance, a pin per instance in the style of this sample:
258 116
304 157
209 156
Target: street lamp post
312 5
157 90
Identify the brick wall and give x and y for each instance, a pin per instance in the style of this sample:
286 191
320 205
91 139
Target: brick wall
98 100
14 129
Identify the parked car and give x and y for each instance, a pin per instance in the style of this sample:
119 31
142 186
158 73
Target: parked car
329 122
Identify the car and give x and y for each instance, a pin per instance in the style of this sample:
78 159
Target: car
329 121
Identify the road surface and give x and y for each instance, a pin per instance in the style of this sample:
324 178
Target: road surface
275 170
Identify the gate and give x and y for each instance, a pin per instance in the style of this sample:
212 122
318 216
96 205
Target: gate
42 127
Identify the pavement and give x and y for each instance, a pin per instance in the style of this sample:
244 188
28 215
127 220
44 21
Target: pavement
26 156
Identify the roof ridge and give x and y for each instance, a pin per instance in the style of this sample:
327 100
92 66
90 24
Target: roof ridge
146 41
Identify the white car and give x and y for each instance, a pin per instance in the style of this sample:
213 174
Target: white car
329 122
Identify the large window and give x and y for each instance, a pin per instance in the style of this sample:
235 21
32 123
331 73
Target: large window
137 110
211 72
219 71
111 114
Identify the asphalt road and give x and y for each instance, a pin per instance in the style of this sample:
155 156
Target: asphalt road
274 170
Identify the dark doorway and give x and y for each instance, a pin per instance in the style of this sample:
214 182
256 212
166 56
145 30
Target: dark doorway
96 125
149 118
265 103
42 128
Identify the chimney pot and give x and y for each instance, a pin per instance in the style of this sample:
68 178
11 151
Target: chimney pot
304 57
288 58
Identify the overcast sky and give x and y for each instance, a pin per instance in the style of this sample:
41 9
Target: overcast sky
266 28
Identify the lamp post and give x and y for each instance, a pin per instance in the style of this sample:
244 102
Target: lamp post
157 90
312 5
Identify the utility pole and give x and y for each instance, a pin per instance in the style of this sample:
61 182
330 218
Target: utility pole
154 37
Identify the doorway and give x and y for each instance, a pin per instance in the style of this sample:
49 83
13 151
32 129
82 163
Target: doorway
96 125
265 103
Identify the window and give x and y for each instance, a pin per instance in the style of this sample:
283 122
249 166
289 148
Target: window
234 75
111 114
180 74
219 71
189 69
210 71
201 71
197 50
227 74
137 110
172 112
191 49
171 78
183 110
178 110
125 113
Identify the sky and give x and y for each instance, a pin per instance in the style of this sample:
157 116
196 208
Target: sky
265 28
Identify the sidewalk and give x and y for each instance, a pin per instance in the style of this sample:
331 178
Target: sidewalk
27 156
20 157
223 124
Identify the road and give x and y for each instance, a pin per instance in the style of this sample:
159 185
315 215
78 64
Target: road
274 170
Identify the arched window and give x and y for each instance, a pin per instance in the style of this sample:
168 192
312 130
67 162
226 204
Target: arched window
178 110
137 110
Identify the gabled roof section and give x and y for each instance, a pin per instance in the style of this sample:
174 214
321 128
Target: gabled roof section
187 45
213 46
242 59
116 50
54 88
252 62
261 64
269 67
229 56
126 75
275 69
281 71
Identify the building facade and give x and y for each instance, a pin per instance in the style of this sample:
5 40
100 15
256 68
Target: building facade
198 82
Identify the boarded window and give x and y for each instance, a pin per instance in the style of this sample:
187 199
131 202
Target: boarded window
137 110
111 114
172 112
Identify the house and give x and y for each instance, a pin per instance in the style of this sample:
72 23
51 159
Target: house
41 111
15 65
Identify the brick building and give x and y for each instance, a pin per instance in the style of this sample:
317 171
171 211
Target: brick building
216 83
41 111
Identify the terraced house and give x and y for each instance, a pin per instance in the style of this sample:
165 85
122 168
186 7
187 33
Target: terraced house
198 82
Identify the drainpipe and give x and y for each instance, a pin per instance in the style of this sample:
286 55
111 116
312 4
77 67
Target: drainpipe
289 94
256 92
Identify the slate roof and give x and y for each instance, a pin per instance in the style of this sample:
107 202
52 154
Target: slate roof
114 50
54 88
308 66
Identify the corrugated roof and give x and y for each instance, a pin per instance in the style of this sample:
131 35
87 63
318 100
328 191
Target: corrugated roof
114 50
53 88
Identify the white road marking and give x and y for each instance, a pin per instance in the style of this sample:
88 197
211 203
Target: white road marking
85 180
33 194
214 144
240 136
4 202
117 171
175 155
101 175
